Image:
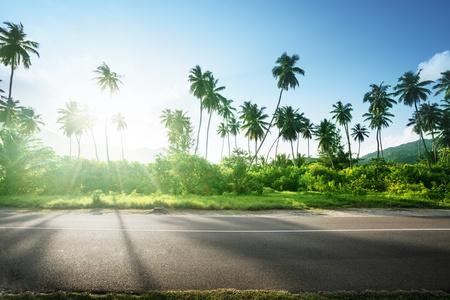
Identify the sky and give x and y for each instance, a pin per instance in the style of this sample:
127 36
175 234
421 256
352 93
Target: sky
344 47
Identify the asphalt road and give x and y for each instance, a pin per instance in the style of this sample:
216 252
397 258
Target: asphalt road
120 252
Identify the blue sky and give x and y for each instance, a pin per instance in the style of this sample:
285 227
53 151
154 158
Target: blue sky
344 46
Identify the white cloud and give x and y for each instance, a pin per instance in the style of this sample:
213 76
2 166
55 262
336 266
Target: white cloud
432 68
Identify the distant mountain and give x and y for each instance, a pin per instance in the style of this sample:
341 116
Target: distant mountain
61 147
406 153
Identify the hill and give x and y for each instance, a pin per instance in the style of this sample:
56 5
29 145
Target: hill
406 153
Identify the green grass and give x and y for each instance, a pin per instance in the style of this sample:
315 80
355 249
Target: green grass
265 201
234 294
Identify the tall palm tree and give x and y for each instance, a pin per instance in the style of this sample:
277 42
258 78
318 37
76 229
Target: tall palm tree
444 132
222 131
73 123
226 111
325 133
110 80
211 102
411 91
378 121
121 125
198 81
415 128
443 85
29 121
234 127
179 130
290 125
254 123
285 72
431 115
307 132
15 49
342 114
9 110
359 132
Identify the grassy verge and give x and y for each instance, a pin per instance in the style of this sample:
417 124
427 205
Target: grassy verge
235 294
266 201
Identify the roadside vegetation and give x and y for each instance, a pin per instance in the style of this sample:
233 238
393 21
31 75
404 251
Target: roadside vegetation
32 176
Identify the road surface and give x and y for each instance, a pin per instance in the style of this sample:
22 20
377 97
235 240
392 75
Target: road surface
120 252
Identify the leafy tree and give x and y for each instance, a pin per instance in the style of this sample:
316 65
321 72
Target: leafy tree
199 82
359 132
179 130
211 101
226 111
254 123
285 72
443 85
110 80
307 132
431 115
121 125
326 135
20 156
235 128
379 103
73 123
413 122
342 114
290 125
15 49
222 131
411 91
29 121
9 110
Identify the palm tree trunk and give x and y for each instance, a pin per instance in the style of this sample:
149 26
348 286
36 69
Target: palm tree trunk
292 149
78 137
329 155
381 145
349 146
121 142
270 125
378 149
419 148
11 80
421 136
106 137
434 147
95 144
298 141
268 153
221 152
235 141
199 126
207 135
359 149
308 150
229 148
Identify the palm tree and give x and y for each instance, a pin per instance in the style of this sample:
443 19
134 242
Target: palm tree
285 72
443 85
110 80
307 132
15 49
198 82
378 121
379 103
9 110
415 128
90 123
290 125
254 123
342 114
234 127
300 119
211 102
29 121
226 111
246 110
325 133
444 132
73 122
359 132
179 130
222 131
431 115
411 91
121 125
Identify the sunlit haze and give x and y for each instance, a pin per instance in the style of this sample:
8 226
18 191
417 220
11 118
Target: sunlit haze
344 47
